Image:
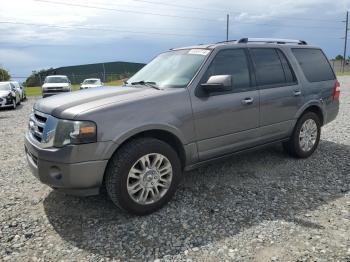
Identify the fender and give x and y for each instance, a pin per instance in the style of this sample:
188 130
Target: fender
310 103
149 127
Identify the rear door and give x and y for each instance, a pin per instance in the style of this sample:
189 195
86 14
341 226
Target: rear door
280 92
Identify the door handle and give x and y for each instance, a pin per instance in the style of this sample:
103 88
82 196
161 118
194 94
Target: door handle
297 92
247 101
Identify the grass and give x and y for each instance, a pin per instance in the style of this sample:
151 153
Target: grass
36 91
343 74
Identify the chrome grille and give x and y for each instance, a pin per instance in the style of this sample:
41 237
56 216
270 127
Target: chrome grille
37 124
42 128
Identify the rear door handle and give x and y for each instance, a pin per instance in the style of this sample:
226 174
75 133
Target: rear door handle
297 92
247 101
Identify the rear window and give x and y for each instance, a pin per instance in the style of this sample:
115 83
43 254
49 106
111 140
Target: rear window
314 64
272 68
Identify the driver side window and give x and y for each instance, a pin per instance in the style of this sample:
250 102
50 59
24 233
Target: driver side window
232 62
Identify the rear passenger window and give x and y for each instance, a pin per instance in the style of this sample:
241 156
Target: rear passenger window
231 62
314 64
268 66
288 71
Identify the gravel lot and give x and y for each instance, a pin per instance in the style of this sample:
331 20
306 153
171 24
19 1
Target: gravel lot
261 206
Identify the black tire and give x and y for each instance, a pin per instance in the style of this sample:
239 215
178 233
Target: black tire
121 162
14 104
292 146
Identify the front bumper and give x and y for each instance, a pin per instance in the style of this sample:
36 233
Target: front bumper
51 92
5 102
53 166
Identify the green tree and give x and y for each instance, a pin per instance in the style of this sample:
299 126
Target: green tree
4 75
339 57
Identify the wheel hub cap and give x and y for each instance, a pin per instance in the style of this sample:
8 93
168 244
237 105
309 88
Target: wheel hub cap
149 178
308 135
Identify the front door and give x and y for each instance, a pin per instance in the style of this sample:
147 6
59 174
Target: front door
227 121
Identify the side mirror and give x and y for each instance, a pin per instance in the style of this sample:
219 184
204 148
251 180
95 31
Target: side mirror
218 83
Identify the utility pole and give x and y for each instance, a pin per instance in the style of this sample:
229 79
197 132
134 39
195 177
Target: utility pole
227 25
345 39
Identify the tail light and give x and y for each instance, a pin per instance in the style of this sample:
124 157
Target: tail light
336 92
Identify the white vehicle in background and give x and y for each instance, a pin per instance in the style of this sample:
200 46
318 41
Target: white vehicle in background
91 83
9 95
56 84
20 90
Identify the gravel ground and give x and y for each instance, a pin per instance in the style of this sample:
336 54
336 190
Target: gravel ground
261 206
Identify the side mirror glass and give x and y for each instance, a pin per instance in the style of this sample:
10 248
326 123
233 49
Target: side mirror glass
218 83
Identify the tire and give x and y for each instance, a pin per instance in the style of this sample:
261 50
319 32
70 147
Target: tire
14 104
118 180
296 146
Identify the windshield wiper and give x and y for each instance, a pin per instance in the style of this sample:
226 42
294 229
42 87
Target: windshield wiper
147 83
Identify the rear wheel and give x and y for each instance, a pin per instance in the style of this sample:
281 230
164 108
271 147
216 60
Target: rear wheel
305 137
143 175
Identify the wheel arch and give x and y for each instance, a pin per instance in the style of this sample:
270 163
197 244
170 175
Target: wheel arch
315 108
163 134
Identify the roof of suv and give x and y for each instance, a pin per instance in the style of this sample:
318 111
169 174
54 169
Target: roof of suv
251 41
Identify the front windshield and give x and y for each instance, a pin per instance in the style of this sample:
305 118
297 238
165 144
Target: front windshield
56 79
172 69
5 87
90 81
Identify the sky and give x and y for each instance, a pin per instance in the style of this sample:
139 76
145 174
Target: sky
39 34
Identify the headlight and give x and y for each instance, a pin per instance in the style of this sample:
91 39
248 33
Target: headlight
74 132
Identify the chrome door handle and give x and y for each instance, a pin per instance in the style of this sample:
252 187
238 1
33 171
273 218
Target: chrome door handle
247 101
297 92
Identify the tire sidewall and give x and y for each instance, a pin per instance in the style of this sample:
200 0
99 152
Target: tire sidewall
301 121
150 146
14 104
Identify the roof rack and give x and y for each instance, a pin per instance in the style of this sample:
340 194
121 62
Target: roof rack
271 41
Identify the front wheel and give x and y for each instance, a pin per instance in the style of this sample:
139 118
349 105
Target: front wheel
143 175
14 104
305 137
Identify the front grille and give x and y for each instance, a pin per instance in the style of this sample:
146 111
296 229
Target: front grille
37 125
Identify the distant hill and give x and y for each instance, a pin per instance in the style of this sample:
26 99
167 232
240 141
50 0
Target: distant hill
105 71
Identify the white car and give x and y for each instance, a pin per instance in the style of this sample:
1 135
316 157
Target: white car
56 84
90 83
9 95
19 89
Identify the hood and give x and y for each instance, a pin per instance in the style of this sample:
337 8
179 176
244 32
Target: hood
4 93
69 105
55 85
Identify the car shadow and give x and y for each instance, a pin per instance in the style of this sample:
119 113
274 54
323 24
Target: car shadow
211 204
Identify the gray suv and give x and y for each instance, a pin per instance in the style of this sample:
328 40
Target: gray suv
187 107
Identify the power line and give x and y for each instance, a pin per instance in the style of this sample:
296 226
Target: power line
104 29
126 10
176 16
224 11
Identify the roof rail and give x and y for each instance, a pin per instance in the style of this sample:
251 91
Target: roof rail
271 41
227 41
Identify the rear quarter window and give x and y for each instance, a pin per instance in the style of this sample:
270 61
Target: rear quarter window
314 64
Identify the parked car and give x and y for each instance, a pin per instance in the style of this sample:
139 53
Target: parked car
9 95
24 91
187 107
20 90
91 83
56 84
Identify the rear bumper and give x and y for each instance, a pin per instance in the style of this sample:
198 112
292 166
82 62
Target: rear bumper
332 112
79 178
